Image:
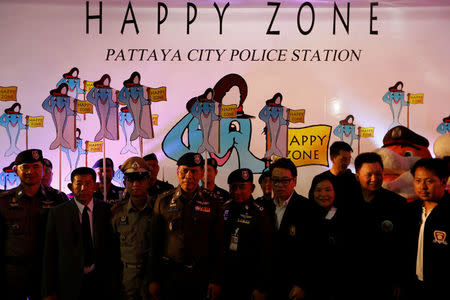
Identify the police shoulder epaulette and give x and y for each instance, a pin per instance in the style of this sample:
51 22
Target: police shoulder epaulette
117 206
227 203
166 193
259 207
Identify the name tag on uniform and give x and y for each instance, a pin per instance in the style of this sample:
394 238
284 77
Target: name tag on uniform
205 209
234 240
123 220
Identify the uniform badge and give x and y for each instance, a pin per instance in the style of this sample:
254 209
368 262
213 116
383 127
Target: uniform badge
245 174
225 214
35 154
292 230
170 226
122 237
135 165
197 158
123 220
205 209
387 226
440 237
13 202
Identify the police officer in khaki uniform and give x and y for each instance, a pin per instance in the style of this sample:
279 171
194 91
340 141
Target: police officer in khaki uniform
187 238
131 222
248 241
23 216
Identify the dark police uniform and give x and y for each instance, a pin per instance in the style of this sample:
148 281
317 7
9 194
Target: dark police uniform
248 245
158 188
187 244
23 220
113 195
221 194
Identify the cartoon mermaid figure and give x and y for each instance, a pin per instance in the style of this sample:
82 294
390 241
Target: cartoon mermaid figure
127 123
135 96
103 97
346 130
395 97
58 104
275 117
73 155
206 111
73 83
8 178
12 121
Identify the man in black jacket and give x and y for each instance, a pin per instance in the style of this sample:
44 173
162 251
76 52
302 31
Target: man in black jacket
294 224
427 234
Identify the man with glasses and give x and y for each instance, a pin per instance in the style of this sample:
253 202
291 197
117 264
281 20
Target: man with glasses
187 238
293 221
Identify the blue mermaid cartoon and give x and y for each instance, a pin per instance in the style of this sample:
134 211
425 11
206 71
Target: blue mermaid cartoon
235 133
12 121
8 178
444 127
206 111
60 106
73 155
346 130
275 117
136 97
395 97
73 83
103 97
127 123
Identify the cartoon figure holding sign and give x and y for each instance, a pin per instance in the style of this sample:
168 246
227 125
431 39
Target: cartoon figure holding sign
58 104
206 111
9 178
12 121
136 97
395 97
444 127
346 131
73 155
275 117
235 132
127 123
73 82
118 177
101 96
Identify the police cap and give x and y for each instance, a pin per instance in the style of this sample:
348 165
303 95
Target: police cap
29 156
191 159
99 163
240 175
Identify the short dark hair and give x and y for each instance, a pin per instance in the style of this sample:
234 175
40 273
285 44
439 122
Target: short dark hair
151 156
367 158
264 174
436 165
47 163
316 180
284 163
83 171
337 146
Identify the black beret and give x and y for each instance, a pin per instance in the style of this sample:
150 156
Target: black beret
99 163
240 175
151 156
401 135
212 162
191 159
29 156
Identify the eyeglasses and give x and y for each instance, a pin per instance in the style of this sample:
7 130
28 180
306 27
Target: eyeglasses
281 181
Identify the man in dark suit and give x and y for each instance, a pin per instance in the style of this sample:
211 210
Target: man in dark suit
293 222
80 256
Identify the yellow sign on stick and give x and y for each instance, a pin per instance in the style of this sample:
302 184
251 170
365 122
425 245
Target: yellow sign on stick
84 107
309 145
88 85
366 132
296 116
155 120
228 111
35 121
8 93
95 146
159 94
416 98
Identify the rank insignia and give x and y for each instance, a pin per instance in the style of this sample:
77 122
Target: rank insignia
440 237
173 203
205 209
123 220
292 230
243 221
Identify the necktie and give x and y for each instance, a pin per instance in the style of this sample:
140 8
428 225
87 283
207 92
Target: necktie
87 239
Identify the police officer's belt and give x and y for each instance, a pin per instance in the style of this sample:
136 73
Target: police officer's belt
133 266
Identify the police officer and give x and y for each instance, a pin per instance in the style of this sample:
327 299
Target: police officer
211 173
157 187
23 214
248 241
266 200
48 176
187 238
114 194
131 222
